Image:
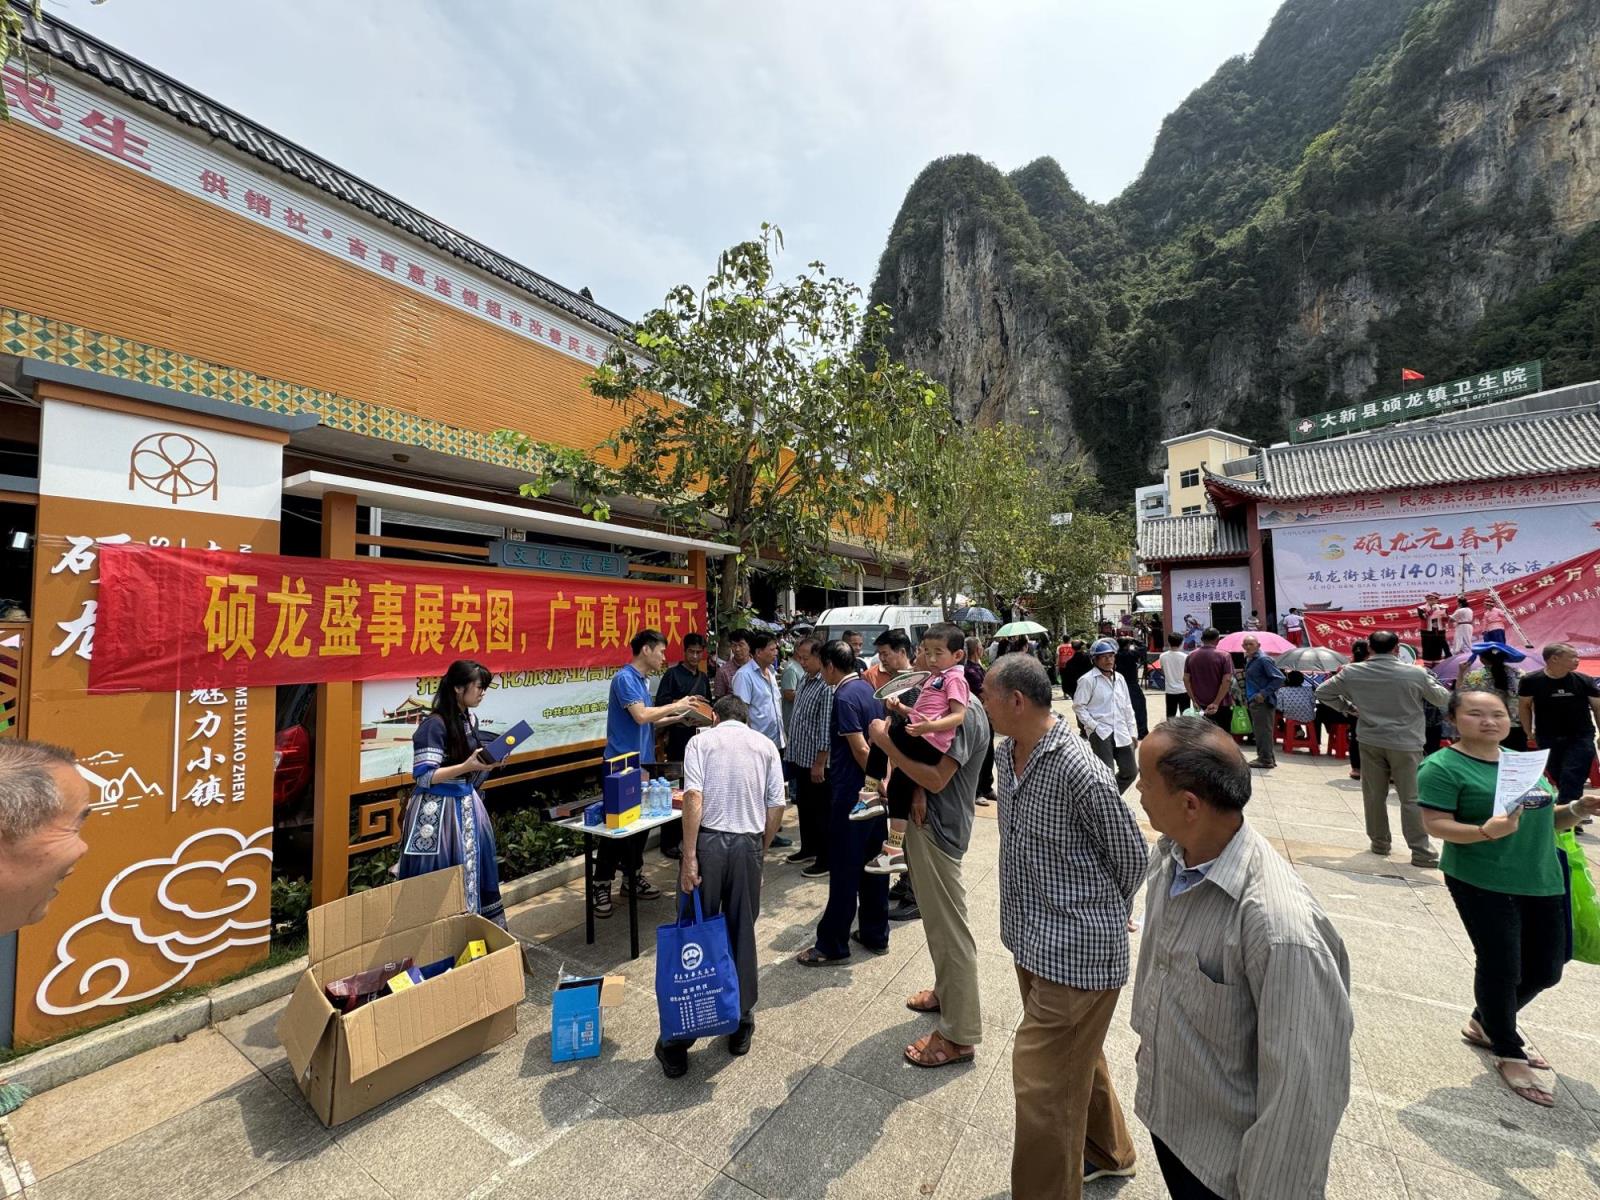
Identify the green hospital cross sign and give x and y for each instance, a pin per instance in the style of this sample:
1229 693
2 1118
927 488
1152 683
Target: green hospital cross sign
1423 402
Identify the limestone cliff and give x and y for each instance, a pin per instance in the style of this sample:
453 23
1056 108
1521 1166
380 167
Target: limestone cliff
1384 183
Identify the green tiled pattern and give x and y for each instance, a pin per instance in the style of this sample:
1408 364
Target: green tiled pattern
30 336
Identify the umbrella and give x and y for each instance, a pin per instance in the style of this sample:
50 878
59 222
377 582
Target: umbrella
1311 658
765 626
1271 643
979 616
1020 629
1449 669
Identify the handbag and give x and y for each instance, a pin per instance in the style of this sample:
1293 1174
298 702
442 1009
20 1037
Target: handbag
1239 722
697 984
1585 904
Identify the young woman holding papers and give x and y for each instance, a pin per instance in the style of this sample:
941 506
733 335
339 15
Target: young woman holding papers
1502 871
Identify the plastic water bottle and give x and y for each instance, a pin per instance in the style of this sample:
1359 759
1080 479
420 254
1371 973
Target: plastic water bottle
656 786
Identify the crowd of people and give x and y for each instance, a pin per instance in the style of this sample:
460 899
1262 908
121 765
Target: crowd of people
1241 998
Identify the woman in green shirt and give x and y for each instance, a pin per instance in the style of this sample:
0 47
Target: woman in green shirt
1506 881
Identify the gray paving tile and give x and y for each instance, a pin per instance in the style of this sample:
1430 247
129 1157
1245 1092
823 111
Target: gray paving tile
438 1141
328 1172
255 1034
841 1138
719 1105
723 1188
1361 1172
603 1155
872 1049
236 1138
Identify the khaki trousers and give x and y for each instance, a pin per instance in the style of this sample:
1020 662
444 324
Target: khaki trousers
1381 766
1067 1109
943 900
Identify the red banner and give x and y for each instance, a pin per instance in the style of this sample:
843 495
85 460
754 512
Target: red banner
173 620
1558 604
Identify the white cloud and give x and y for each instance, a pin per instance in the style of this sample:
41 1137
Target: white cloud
622 144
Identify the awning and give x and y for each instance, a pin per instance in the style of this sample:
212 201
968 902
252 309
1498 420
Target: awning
313 484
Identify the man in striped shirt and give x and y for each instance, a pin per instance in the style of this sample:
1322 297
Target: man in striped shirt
733 799
807 755
1242 1001
1071 859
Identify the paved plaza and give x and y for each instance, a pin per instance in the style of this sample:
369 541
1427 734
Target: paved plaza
823 1105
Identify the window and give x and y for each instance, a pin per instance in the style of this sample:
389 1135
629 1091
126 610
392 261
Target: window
1189 478
1190 510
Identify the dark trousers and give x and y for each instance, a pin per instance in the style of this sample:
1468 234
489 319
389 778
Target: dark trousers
901 786
1222 718
1262 718
1569 763
851 845
1119 758
1176 703
626 853
1181 1182
811 802
730 884
1141 709
1520 944
1355 745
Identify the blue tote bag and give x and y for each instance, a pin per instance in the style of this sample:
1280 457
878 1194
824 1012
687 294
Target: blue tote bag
697 985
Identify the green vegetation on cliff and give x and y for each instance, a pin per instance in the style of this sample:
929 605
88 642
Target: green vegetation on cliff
1303 229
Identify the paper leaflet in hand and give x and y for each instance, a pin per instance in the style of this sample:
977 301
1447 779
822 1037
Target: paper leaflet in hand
509 741
1518 781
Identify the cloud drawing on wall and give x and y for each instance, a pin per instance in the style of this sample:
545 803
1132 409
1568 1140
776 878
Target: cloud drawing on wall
184 908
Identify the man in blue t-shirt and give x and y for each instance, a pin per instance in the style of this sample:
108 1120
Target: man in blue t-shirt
851 891
629 721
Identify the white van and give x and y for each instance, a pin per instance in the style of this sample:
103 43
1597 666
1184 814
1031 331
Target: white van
869 620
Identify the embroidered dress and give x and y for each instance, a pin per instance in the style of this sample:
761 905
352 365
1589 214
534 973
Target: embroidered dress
446 824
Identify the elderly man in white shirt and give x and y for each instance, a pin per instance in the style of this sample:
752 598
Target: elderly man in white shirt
1106 713
733 799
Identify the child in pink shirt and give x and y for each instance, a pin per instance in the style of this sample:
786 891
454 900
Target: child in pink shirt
923 733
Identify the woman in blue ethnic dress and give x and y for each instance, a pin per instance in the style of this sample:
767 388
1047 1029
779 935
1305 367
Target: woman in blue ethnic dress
446 823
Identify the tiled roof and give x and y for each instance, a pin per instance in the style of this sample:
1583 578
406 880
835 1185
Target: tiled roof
1205 535
61 41
1516 447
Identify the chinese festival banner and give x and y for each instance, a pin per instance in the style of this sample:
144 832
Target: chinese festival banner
181 619
1384 550
1558 604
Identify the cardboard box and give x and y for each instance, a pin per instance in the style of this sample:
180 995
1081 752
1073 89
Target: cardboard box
346 1064
575 1021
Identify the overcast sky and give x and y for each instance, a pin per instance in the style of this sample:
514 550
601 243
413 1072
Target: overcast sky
621 144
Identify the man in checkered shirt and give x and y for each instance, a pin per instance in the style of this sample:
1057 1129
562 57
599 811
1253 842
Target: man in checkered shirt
1071 859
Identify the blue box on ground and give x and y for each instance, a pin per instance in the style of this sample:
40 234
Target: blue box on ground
575 1026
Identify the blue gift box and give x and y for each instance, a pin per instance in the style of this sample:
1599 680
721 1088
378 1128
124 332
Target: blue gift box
575 1025
621 790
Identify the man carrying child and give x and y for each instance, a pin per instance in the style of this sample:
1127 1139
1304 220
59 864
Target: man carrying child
923 733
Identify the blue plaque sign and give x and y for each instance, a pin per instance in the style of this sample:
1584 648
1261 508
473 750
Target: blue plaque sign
532 556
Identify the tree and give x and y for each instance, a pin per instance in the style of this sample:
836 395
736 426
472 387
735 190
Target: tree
12 27
984 522
757 411
958 515
1070 561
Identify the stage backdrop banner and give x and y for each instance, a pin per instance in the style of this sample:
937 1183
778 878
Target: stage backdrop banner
1397 559
174 620
1558 604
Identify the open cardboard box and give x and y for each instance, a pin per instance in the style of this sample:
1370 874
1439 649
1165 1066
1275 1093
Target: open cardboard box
346 1064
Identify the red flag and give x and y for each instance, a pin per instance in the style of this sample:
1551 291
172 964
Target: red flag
1407 375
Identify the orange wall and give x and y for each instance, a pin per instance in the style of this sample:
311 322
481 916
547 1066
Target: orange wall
94 244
